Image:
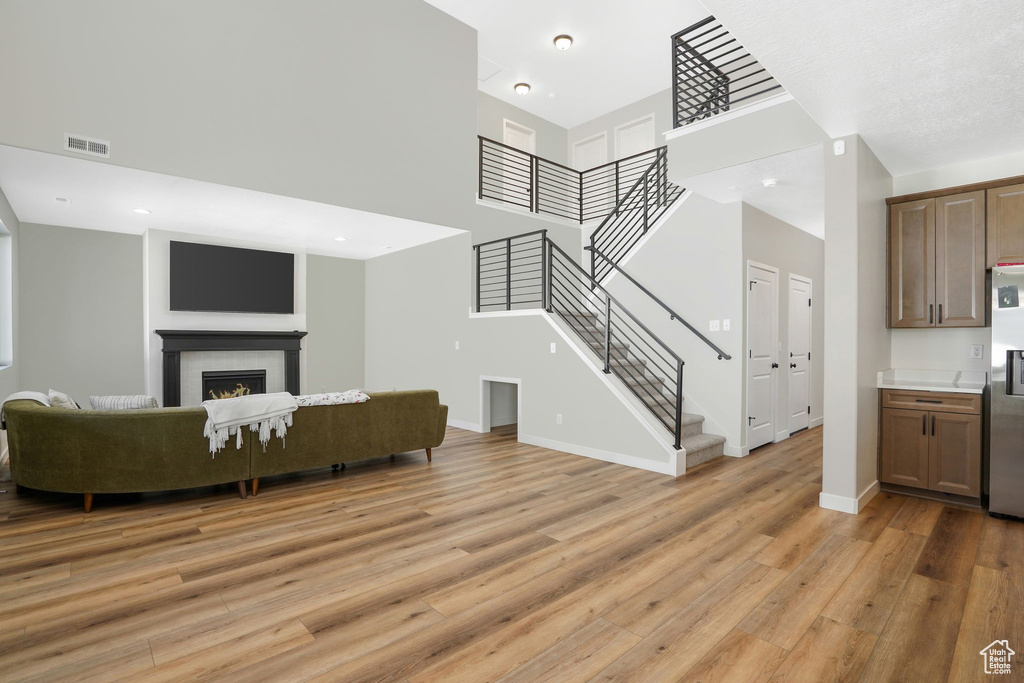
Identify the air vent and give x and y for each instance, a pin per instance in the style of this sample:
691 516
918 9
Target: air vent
84 145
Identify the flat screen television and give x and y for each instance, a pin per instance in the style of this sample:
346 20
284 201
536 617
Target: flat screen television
207 277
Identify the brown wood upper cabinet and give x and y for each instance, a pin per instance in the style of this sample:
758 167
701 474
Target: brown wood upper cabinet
937 262
1006 225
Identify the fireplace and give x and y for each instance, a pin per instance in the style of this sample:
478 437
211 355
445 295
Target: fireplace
219 384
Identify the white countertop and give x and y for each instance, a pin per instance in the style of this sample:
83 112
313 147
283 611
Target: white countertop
955 381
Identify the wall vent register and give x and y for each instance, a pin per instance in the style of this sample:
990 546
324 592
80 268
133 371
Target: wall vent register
81 144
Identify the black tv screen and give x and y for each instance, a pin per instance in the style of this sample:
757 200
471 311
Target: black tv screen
206 277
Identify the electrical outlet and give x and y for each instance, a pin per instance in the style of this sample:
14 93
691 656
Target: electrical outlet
714 326
552 347
456 346
726 325
977 351
558 419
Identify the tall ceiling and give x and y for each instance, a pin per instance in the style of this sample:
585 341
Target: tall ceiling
620 53
926 83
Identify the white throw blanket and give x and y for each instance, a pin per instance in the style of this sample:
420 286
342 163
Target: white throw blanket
333 398
262 412
36 396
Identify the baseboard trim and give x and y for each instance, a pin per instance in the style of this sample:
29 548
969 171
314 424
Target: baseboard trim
735 451
462 424
668 468
817 422
852 506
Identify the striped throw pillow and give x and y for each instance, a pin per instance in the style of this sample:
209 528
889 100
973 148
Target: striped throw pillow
122 402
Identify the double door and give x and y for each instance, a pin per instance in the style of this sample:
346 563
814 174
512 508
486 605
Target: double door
937 262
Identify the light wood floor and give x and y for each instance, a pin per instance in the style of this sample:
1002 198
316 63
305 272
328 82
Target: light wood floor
502 561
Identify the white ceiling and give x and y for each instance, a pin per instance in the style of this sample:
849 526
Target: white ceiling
797 198
620 53
103 196
926 83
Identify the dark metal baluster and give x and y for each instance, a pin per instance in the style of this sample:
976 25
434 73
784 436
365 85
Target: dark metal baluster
480 178
544 284
508 274
534 184
617 188
646 180
549 270
679 403
607 334
476 249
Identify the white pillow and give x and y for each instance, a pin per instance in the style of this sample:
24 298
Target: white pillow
58 399
137 402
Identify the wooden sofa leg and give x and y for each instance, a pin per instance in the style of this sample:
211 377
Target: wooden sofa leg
19 489
255 485
428 455
88 502
338 467
241 489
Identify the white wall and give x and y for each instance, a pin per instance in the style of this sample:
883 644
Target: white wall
410 344
10 380
82 295
773 242
960 174
335 313
857 344
694 263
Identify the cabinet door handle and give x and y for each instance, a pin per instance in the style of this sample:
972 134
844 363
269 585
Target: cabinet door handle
931 311
933 425
940 314
924 425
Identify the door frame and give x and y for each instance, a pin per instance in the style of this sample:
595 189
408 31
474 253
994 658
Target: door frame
810 345
586 141
506 123
774 402
485 400
627 124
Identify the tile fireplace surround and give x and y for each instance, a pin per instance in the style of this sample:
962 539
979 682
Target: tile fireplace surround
186 353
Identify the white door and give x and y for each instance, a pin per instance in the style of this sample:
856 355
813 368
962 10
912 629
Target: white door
517 185
799 353
634 137
762 343
590 152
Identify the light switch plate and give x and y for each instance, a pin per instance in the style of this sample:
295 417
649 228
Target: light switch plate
726 325
977 351
714 326
839 147
552 347
456 346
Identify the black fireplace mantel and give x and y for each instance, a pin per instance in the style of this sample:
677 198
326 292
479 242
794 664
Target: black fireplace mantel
177 341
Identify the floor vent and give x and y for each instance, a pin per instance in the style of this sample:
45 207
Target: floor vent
84 145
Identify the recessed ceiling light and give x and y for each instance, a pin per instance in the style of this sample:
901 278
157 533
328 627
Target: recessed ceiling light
769 182
144 212
551 95
339 239
563 42
522 88
385 247
732 187
63 200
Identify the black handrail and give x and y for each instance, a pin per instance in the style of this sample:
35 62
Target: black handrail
701 85
722 355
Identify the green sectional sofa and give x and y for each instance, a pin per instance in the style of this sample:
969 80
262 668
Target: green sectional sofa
134 451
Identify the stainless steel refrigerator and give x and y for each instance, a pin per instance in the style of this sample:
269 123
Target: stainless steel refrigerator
1006 415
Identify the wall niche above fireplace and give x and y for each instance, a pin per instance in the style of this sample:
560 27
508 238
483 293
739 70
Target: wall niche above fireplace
218 384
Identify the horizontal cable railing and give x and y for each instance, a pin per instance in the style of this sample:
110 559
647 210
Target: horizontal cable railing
637 211
527 181
712 73
510 272
531 271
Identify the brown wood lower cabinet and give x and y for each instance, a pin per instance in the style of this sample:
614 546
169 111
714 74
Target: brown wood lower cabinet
937 449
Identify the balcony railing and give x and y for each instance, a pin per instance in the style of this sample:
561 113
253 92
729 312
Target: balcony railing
532 183
712 73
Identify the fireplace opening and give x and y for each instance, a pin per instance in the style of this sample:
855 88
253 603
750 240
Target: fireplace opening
220 384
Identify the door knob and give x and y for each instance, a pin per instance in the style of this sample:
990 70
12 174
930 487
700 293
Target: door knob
792 365
775 365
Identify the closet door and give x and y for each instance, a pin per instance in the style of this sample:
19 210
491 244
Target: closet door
960 260
912 264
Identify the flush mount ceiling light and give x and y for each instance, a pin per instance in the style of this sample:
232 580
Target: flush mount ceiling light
769 182
522 88
339 239
563 42
144 212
